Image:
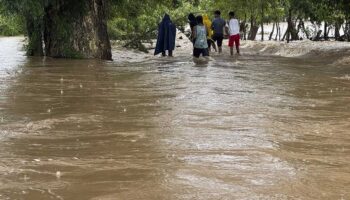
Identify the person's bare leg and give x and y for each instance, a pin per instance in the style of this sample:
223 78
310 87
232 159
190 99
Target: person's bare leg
220 49
237 48
231 51
214 46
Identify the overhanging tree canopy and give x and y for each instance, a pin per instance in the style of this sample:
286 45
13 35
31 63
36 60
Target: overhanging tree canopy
78 28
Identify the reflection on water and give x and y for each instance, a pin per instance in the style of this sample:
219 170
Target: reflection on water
250 128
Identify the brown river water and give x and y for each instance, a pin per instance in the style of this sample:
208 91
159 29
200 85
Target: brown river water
256 127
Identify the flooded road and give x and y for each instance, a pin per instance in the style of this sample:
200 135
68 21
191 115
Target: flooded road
249 128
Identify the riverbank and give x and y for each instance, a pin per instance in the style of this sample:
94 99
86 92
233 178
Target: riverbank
297 48
332 52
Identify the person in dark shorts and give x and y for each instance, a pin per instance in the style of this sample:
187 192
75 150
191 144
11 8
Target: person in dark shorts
218 26
200 35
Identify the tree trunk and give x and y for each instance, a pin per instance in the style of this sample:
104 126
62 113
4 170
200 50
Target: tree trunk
253 29
262 31
300 25
245 27
325 31
291 31
77 35
337 31
278 30
328 31
253 32
304 29
273 31
262 20
347 30
285 34
318 36
35 37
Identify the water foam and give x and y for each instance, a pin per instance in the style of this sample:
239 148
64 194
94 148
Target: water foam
296 48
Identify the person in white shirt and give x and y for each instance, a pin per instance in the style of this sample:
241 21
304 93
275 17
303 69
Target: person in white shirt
233 29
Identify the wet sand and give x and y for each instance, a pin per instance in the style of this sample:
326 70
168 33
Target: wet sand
252 127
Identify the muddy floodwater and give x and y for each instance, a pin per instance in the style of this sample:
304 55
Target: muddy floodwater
256 127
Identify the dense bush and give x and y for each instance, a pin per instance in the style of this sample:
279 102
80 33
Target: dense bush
143 24
10 26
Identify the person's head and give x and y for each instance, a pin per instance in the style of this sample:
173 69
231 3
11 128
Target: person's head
205 17
192 20
166 17
191 17
217 13
199 19
232 14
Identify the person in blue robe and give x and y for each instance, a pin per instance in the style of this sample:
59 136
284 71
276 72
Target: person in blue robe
166 37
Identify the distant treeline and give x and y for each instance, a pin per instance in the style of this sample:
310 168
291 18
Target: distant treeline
332 14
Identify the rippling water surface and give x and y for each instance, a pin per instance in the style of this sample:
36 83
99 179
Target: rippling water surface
248 128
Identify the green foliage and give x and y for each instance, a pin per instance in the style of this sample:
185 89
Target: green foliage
138 19
11 26
137 22
31 14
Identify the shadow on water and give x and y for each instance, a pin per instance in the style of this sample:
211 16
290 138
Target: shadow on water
253 127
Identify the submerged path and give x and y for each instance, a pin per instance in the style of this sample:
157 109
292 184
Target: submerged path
248 128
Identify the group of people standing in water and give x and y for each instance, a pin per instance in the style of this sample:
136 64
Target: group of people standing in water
205 34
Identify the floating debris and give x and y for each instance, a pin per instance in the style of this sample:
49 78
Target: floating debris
58 174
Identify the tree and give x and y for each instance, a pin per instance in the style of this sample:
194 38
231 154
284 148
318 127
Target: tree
67 28
77 29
